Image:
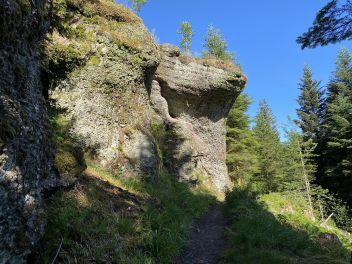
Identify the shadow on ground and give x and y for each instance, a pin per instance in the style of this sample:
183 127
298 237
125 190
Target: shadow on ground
104 217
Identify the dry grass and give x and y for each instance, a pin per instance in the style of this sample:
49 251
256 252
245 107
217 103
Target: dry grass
218 63
106 9
213 62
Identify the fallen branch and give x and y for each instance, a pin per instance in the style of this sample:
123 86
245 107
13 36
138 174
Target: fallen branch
58 251
327 219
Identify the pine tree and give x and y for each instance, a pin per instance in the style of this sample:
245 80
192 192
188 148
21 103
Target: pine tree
187 34
216 46
269 149
310 106
336 143
241 157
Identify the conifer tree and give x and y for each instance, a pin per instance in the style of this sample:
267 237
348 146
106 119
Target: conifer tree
336 143
269 149
310 106
187 34
216 46
291 163
241 157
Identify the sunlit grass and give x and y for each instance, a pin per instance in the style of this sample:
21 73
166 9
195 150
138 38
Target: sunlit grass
273 228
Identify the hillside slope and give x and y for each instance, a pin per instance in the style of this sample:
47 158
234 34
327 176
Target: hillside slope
276 228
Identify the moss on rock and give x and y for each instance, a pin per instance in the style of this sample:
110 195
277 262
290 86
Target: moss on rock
69 159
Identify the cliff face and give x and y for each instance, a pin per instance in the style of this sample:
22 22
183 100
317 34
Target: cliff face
194 98
26 152
109 58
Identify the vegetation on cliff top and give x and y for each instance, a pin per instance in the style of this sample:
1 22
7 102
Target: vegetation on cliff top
79 28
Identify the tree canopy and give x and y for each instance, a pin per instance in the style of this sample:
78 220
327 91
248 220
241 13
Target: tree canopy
332 24
310 103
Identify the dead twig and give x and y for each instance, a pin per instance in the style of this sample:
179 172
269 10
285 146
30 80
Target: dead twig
58 251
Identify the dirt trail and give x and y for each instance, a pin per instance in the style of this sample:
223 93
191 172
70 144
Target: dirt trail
207 238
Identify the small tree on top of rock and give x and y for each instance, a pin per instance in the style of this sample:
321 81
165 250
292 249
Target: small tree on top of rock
187 34
137 4
216 46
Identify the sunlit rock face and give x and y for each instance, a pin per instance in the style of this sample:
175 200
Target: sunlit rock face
103 89
26 152
194 98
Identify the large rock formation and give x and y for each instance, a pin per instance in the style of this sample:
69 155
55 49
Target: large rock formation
193 97
26 152
115 102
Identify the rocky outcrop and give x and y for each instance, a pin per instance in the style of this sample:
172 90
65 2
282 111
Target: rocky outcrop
103 90
193 97
26 152
129 118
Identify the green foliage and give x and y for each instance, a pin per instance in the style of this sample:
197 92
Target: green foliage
310 106
241 158
216 46
69 155
269 150
336 137
187 34
78 25
293 179
325 204
274 228
332 24
109 219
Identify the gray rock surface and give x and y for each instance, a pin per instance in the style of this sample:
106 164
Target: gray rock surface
106 97
26 152
194 98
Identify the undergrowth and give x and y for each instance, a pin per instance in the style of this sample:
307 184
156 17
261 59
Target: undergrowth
275 228
108 218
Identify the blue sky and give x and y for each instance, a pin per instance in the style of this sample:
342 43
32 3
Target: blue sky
261 33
